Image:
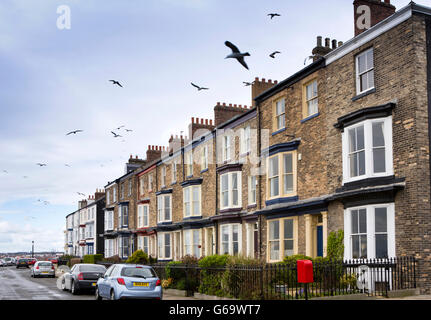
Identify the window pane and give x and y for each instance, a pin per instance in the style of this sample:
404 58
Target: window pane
224 182
274 250
379 160
353 165
288 165
225 199
288 248
288 183
381 246
234 181
361 63
355 222
280 122
274 232
288 229
234 233
363 247
381 219
363 221
378 136
274 187
352 140
360 138
371 79
355 247
361 160
273 167
370 60
364 82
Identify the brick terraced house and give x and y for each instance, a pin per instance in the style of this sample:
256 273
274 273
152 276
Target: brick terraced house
343 144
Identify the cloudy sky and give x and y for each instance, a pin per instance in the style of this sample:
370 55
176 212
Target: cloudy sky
55 81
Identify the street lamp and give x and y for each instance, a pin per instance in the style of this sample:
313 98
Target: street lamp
32 249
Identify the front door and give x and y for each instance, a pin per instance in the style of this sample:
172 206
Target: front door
320 241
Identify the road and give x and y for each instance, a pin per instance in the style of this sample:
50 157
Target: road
16 284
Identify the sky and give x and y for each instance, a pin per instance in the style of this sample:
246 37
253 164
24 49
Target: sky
56 80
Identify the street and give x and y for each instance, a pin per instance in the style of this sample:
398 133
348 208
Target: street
16 284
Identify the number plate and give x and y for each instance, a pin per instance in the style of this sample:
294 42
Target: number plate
45 272
93 284
140 284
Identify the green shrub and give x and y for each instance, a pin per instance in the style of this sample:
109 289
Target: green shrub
190 260
138 257
113 259
335 245
293 259
92 258
210 282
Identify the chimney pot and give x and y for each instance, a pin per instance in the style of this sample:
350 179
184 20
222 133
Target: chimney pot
340 43
275 82
319 41
202 120
334 44
327 40
211 122
256 79
263 80
206 121
193 120
224 104
230 104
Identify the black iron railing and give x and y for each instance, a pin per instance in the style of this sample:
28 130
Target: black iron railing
279 281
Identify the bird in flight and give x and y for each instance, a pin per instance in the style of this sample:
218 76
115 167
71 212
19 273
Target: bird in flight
236 54
74 132
129 130
5 171
120 127
246 84
41 164
199 88
116 82
25 177
45 202
81 194
272 55
67 165
272 15
308 58
115 135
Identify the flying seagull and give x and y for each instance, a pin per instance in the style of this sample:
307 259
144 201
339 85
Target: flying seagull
129 130
81 194
272 15
246 84
236 54
5 171
116 82
272 55
120 127
74 132
67 165
308 58
41 164
199 88
46 202
115 135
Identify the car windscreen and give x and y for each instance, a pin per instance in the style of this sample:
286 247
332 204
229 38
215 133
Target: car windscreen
22 260
138 272
44 264
92 268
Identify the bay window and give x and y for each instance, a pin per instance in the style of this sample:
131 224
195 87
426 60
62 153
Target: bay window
281 178
369 232
282 238
367 149
230 235
230 190
164 246
164 212
192 201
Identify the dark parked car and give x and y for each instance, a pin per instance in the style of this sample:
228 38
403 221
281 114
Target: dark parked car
22 263
82 276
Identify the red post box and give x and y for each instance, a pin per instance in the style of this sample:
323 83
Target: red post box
305 271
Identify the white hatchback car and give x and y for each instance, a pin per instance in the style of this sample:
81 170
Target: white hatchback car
43 268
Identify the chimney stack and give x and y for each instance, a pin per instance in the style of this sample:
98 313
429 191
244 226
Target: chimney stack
259 86
368 13
153 153
320 50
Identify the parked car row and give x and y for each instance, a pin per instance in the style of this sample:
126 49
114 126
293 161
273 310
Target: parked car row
119 281
25 262
7 261
43 268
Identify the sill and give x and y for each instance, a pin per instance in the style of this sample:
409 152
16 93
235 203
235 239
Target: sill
205 170
252 206
283 199
363 94
310 117
279 131
231 209
244 154
192 217
188 177
173 183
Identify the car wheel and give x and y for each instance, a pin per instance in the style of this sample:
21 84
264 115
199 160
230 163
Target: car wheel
97 295
112 295
73 289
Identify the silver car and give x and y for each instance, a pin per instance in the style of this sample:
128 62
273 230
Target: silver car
129 281
43 268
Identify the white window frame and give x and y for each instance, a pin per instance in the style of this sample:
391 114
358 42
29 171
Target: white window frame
194 244
191 201
227 148
229 227
143 215
161 208
245 140
281 238
371 249
150 182
141 185
230 190
310 100
114 195
161 246
358 75
189 163
368 140
279 115
281 175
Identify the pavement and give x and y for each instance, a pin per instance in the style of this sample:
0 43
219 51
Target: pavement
16 284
